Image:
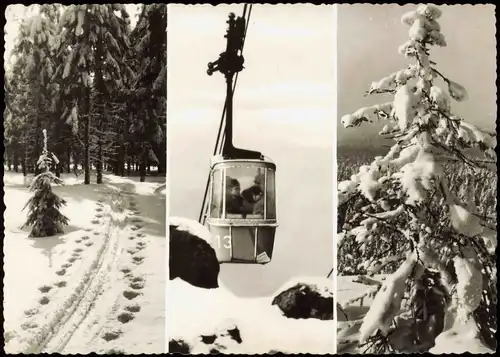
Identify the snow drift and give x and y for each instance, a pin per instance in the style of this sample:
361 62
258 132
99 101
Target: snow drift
205 317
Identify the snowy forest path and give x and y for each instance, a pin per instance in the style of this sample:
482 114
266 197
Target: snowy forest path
101 274
113 305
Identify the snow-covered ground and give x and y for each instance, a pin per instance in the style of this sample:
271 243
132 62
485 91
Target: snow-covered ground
263 328
194 313
355 300
94 288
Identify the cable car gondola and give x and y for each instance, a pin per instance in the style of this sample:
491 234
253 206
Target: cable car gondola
240 200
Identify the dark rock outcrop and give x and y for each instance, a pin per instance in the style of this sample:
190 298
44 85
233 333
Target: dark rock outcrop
192 259
303 301
178 346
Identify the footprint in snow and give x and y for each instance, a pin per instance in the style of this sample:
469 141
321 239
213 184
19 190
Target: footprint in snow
61 272
78 250
114 351
96 233
138 260
31 312
87 229
98 209
125 270
7 336
133 308
44 300
137 286
131 237
111 335
137 279
60 284
140 235
98 215
66 265
130 294
89 244
125 317
95 221
72 259
78 241
131 251
85 237
45 289
29 325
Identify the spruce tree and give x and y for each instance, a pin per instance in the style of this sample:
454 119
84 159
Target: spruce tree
405 219
44 215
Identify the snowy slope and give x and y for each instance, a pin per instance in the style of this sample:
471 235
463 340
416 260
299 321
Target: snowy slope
202 318
93 288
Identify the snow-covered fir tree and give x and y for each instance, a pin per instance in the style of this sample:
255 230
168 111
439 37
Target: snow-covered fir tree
93 40
150 47
440 251
95 85
33 53
44 215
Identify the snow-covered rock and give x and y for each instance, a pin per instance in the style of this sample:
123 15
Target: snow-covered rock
304 300
191 258
204 317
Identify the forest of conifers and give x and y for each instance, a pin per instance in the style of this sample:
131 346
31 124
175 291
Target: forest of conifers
95 84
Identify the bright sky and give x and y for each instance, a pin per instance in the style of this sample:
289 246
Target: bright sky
15 13
368 38
284 107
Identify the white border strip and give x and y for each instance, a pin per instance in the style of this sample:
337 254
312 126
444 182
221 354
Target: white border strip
167 202
335 170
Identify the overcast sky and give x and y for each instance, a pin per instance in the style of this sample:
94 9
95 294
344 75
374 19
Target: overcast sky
368 38
284 107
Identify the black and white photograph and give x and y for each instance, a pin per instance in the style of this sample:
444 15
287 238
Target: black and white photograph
251 114
84 179
416 190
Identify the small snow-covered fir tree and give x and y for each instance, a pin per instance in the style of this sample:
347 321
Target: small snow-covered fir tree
442 253
44 214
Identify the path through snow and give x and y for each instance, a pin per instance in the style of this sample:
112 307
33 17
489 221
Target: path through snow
103 279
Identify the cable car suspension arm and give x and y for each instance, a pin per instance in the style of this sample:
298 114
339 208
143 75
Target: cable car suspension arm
230 63
221 137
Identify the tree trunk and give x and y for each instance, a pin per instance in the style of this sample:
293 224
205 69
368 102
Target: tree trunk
8 160
99 158
142 165
86 110
16 161
121 160
162 160
75 166
68 157
25 156
38 124
86 150
129 167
